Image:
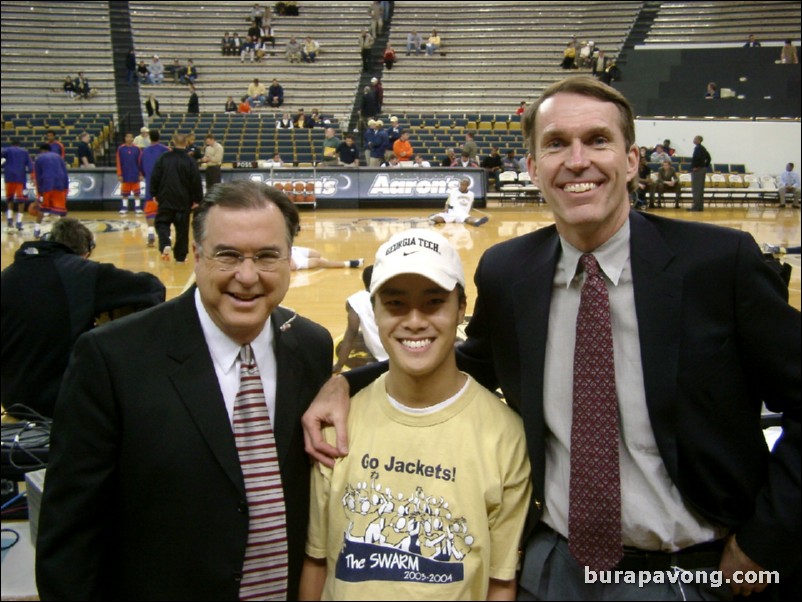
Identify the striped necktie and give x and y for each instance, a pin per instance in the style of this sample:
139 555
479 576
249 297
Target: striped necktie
594 500
264 573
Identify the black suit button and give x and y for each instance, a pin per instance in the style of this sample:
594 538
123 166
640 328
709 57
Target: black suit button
242 508
237 576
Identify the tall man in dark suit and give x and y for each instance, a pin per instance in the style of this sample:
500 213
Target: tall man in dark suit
146 495
700 334
700 165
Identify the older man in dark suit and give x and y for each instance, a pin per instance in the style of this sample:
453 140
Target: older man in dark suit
645 437
177 449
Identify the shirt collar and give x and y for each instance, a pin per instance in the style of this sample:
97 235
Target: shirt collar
223 350
612 256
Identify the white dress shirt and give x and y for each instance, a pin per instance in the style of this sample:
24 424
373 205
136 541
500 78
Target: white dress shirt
225 356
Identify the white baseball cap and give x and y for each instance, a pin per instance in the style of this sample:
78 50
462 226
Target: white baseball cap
418 251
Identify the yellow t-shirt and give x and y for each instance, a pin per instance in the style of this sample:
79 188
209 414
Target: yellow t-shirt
424 507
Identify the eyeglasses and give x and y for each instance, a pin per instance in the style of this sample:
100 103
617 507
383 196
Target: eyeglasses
265 261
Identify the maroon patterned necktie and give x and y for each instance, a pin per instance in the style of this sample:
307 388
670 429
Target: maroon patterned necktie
264 573
594 507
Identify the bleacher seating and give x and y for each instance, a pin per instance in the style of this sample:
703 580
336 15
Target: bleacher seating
706 23
30 128
329 84
42 42
494 54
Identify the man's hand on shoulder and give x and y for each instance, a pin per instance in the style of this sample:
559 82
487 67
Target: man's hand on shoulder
330 407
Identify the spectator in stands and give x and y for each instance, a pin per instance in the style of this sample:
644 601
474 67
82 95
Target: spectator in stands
248 49
470 146
414 42
465 161
244 105
789 185
378 88
285 123
152 106
659 155
175 70
130 67
293 51
391 163
143 139
257 93
230 106
402 148
360 319
644 186
275 94
193 105
521 108
493 167
611 74
389 57
568 56
368 139
257 14
376 19
155 71
310 50
751 42
330 145
281 8
299 121
82 87
142 72
433 43
366 46
68 87
585 57
347 152
314 120
237 44
291 8
667 147
450 158
712 91
667 181
420 162
788 54
369 106
85 154
254 31
190 73
54 143
381 142
269 37
599 65
52 294
226 44
393 132
276 161
510 162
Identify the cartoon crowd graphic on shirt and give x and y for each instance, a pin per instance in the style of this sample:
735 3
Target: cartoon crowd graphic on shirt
397 537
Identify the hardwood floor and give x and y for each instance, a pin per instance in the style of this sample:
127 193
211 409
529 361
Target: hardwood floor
348 234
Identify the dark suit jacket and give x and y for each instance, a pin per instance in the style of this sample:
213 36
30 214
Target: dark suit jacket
144 497
717 338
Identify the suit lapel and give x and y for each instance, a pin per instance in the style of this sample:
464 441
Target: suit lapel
532 300
658 302
194 378
288 364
